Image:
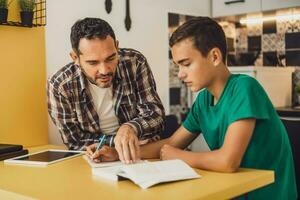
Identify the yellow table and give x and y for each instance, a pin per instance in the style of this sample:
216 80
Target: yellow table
72 179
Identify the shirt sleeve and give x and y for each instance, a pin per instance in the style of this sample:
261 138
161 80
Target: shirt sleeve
149 122
64 117
192 121
249 101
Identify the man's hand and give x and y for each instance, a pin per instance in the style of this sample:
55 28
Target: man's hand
127 144
105 154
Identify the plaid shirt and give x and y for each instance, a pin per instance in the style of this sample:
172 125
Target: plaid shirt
137 104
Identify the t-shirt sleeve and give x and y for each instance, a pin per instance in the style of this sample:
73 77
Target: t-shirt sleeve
192 121
249 101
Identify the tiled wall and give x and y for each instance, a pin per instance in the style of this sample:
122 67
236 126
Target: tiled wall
178 91
272 43
277 42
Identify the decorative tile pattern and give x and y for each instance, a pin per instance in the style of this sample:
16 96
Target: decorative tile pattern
273 42
241 40
254 29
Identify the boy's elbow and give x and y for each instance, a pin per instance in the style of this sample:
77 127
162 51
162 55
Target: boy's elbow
229 166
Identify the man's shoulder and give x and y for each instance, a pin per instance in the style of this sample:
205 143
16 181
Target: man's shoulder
65 75
128 53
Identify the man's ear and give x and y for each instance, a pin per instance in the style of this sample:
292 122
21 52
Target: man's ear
74 57
216 56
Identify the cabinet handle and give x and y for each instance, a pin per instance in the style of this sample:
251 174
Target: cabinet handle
235 1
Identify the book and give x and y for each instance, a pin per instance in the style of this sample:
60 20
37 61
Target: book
13 154
147 174
7 148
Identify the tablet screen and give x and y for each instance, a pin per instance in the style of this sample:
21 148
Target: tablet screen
48 156
43 158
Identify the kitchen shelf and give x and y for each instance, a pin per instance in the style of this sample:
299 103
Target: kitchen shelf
39 16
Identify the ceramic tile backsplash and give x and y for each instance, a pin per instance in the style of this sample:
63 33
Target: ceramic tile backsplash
178 90
277 40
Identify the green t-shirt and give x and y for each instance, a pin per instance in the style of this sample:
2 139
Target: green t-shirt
269 148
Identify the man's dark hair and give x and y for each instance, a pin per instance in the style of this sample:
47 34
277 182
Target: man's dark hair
90 28
206 34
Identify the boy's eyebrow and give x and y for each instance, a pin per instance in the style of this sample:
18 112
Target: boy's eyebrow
182 60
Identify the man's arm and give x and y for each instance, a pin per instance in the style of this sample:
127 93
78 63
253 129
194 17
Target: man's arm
225 159
64 117
149 121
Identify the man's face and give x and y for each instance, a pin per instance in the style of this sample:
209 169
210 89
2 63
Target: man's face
98 59
195 70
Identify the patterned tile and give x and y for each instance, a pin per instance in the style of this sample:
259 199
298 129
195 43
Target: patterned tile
292 40
293 58
273 42
254 43
173 19
175 96
241 40
174 81
254 29
270 59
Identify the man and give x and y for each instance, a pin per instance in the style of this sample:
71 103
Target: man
107 92
233 112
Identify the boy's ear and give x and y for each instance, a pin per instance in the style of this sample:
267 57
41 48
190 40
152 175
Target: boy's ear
74 57
216 56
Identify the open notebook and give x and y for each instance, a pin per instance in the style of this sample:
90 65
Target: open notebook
147 174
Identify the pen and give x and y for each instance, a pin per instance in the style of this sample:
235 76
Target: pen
101 143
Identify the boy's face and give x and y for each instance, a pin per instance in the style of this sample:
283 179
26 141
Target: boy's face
195 70
98 60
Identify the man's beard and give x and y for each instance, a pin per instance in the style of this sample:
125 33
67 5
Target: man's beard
100 76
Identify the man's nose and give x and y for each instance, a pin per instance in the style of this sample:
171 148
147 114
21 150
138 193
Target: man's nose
104 69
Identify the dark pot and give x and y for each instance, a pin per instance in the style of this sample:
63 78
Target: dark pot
26 18
3 15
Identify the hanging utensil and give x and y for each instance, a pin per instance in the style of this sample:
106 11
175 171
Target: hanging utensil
108 6
127 18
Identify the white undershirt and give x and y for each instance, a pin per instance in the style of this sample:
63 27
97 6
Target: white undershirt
104 104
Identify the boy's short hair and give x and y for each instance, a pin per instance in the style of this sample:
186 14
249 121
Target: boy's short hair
206 34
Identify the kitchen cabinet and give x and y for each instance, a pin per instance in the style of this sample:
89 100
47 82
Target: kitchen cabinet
277 4
222 8
291 120
234 7
277 82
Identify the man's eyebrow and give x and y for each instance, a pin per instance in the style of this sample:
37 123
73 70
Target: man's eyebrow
111 56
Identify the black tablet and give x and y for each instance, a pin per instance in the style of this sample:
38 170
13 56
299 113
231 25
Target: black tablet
43 158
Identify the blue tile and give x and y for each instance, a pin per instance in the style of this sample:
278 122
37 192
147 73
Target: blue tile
174 96
292 40
292 58
254 43
173 19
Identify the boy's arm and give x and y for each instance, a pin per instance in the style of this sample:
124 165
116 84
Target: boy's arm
225 159
180 139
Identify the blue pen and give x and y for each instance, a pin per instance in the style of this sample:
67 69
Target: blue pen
101 143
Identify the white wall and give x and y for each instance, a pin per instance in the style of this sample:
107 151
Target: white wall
148 33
